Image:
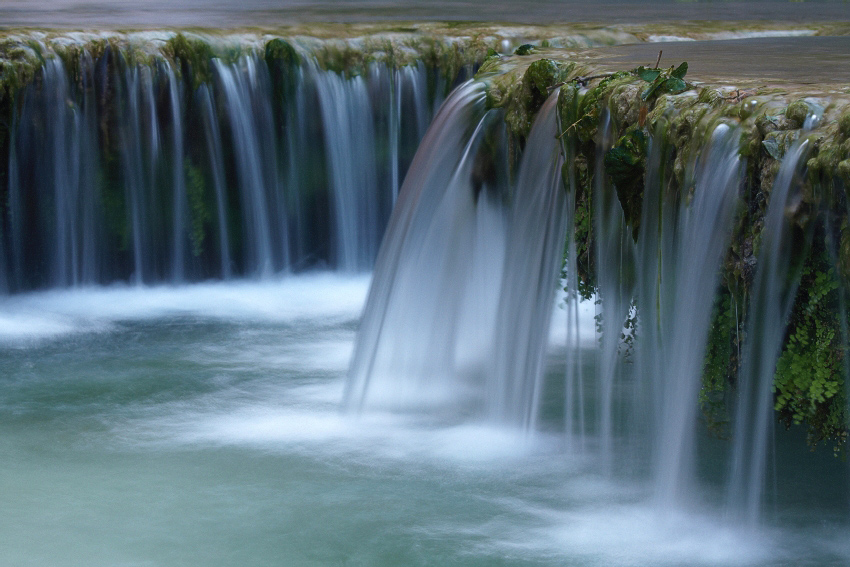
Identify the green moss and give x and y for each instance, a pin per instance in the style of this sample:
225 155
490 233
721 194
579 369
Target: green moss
344 59
720 367
844 125
282 61
778 142
593 102
844 171
199 210
522 90
192 57
625 164
280 51
796 113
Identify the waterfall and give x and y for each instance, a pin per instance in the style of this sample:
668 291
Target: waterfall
615 273
773 295
697 245
217 165
140 173
167 169
350 145
179 210
405 348
249 123
467 272
535 238
146 174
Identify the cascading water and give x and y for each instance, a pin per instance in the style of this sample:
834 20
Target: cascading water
148 176
405 351
415 345
695 246
437 318
350 146
535 238
773 296
148 173
247 96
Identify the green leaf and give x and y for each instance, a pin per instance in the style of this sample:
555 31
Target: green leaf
647 75
680 71
525 49
650 90
675 85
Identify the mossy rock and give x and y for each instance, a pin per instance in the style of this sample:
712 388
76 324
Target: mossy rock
278 51
192 57
796 113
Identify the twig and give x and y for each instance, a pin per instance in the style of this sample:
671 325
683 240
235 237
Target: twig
584 80
571 126
657 61
580 80
740 94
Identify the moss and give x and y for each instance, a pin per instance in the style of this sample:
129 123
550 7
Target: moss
778 142
844 253
280 51
625 164
844 125
282 60
192 57
585 119
344 59
796 113
843 170
521 91
199 210
720 366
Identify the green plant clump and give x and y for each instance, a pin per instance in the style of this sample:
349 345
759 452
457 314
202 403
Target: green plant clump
809 384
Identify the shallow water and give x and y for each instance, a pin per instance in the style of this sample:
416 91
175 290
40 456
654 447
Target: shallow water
200 425
223 13
817 62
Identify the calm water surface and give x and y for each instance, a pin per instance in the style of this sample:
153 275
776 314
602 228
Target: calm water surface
225 13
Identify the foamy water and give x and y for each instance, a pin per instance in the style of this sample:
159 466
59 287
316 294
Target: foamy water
202 425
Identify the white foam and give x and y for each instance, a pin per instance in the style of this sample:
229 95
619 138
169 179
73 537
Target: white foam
49 314
308 418
614 531
761 34
665 38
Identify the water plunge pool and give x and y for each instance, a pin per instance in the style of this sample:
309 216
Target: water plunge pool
201 425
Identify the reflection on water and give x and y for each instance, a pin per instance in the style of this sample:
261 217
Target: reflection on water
201 425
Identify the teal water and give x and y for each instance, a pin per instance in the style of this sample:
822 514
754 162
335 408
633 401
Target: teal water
201 425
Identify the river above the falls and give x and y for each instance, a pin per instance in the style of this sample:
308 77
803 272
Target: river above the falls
808 64
126 14
201 425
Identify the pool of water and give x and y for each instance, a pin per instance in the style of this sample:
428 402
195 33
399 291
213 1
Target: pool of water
201 425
